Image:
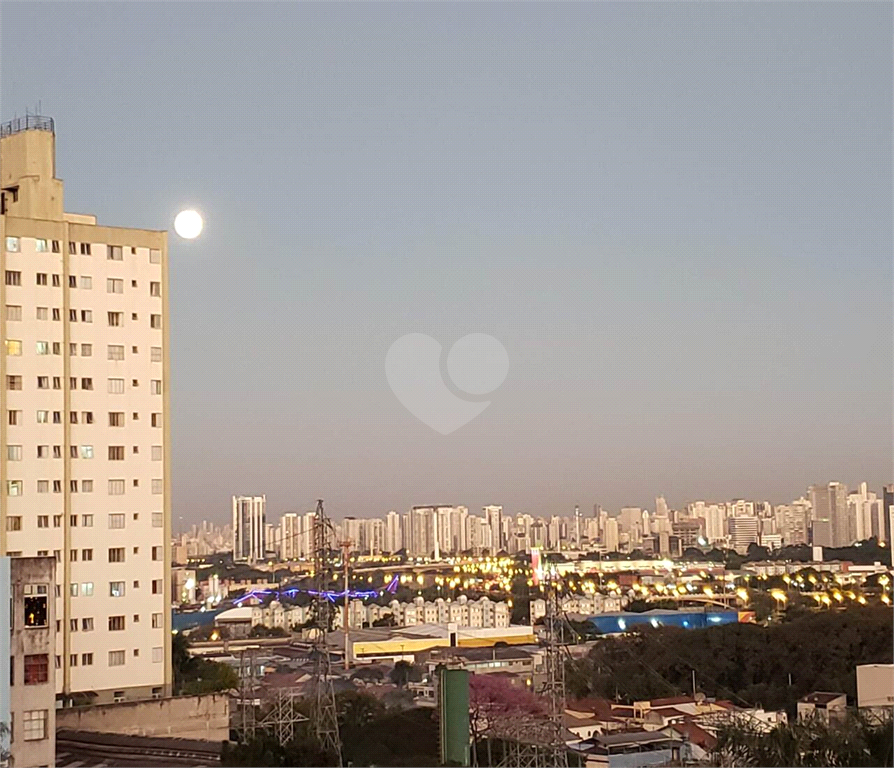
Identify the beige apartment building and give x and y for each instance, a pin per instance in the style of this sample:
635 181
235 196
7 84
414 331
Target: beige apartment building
85 425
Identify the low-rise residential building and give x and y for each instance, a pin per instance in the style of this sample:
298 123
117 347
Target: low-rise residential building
822 704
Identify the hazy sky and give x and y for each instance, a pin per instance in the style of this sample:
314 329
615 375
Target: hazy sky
677 218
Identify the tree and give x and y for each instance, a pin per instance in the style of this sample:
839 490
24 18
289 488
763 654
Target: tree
387 620
4 743
193 675
857 740
404 673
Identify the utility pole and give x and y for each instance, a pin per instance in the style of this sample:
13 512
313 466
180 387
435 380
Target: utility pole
346 623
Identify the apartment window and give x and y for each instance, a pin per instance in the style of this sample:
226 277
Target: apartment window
154 257
87 522
73 451
13 277
86 315
72 281
156 692
43 417
73 660
72 247
42 278
57 382
73 625
43 347
85 249
158 485
73 315
73 522
157 553
35 604
14 488
14 312
87 624
13 452
87 658
116 319
88 417
116 419
136 483
114 285
87 589
43 486
73 486
57 486
155 321
34 724
155 353
116 487
155 289
116 351
156 453
12 244
157 420
86 350
13 418
57 314
57 521
14 347
158 519
73 382
115 253
37 669
155 386
43 382
43 451
43 521
133 283
15 382
116 453
116 386
116 520
157 586
116 589
56 281
73 589
136 449
116 623
72 418
86 382
86 281
116 555
41 245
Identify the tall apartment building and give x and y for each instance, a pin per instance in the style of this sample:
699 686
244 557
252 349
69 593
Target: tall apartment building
85 426
249 528
743 530
829 525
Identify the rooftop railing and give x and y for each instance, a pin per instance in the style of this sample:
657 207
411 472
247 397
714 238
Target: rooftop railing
27 123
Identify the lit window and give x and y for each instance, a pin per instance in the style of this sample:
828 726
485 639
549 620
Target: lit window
87 589
86 451
43 347
41 245
14 347
14 488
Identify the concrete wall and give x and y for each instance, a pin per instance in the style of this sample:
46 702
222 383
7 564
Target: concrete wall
205 718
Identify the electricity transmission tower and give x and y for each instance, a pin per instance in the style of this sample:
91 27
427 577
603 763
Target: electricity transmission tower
541 743
323 717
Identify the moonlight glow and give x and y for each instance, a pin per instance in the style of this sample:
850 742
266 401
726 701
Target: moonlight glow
188 224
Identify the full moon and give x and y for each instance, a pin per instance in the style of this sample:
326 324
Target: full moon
188 224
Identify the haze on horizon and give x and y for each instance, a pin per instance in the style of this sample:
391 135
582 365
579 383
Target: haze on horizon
676 217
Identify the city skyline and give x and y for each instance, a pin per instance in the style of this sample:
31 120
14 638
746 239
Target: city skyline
688 265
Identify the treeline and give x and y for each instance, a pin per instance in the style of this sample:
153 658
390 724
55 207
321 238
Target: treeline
752 665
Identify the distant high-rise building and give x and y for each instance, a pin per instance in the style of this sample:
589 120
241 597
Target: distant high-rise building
494 517
743 530
290 536
887 513
249 528
393 536
829 523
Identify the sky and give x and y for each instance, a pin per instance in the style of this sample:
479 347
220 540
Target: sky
676 218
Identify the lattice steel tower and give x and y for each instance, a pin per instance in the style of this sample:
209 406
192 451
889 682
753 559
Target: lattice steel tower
323 717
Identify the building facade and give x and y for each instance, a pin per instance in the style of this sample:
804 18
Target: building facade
249 528
85 427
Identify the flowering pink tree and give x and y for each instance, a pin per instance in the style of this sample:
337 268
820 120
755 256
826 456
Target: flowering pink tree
498 708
